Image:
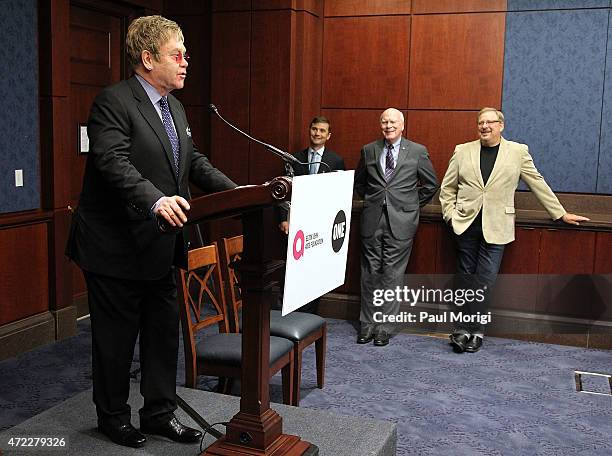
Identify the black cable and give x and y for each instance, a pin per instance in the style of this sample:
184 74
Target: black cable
206 431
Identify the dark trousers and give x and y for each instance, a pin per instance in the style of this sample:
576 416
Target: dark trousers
383 266
121 310
478 264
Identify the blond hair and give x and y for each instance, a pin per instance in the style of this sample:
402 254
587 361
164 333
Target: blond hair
498 113
149 33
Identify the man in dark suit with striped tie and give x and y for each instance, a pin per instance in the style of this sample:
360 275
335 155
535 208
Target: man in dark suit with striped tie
395 178
140 163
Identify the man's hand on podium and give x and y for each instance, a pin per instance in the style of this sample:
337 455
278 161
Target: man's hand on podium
284 227
171 209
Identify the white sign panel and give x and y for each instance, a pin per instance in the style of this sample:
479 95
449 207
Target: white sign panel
319 223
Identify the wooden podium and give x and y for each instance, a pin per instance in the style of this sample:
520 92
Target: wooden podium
256 429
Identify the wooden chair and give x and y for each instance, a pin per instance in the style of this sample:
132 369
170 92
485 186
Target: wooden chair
302 329
219 353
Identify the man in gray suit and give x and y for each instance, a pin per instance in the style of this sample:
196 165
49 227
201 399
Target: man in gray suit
387 178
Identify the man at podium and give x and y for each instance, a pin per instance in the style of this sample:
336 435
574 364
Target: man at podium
138 170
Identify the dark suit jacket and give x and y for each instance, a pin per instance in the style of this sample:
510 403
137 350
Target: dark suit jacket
333 160
402 195
129 167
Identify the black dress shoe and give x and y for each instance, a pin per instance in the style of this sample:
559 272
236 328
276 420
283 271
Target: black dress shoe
459 342
381 338
365 334
124 434
473 344
172 429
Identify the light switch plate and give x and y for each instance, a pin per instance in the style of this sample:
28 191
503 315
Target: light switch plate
19 178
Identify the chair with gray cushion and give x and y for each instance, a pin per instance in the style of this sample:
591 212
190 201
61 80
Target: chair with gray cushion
219 353
302 329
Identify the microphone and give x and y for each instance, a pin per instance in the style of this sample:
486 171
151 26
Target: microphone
276 151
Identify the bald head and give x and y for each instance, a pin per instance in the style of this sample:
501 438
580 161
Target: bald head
392 124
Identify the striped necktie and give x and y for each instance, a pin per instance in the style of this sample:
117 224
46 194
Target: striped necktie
389 162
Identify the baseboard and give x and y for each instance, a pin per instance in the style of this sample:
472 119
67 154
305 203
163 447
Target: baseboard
65 322
505 323
26 334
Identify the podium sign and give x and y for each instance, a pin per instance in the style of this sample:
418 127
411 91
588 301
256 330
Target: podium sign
317 247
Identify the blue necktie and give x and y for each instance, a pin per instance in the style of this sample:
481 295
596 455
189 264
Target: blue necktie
167 121
314 163
389 162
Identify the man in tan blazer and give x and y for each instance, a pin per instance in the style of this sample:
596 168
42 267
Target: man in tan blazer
477 197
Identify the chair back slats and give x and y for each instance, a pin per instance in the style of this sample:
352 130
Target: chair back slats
233 254
203 295
203 302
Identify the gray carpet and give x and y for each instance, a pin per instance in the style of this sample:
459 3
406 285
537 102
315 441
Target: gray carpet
511 398
334 435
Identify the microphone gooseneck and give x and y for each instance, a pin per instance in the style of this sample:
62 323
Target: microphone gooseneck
276 151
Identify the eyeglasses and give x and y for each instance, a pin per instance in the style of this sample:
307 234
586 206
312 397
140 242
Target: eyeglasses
482 123
179 56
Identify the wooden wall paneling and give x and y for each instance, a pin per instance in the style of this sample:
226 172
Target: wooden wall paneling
24 282
60 276
87 24
566 284
351 130
311 6
63 149
274 5
195 95
56 165
517 283
80 101
365 62
352 284
424 249
603 254
366 7
454 6
54 32
570 295
523 255
440 132
45 115
95 46
567 252
79 287
271 78
154 6
603 279
231 5
197 33
456 61
55 161
94 64
198 117
518 292
173 8
446 256
307 48
602 305
230 92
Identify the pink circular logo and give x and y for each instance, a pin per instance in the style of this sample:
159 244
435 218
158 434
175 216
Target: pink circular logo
298 245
